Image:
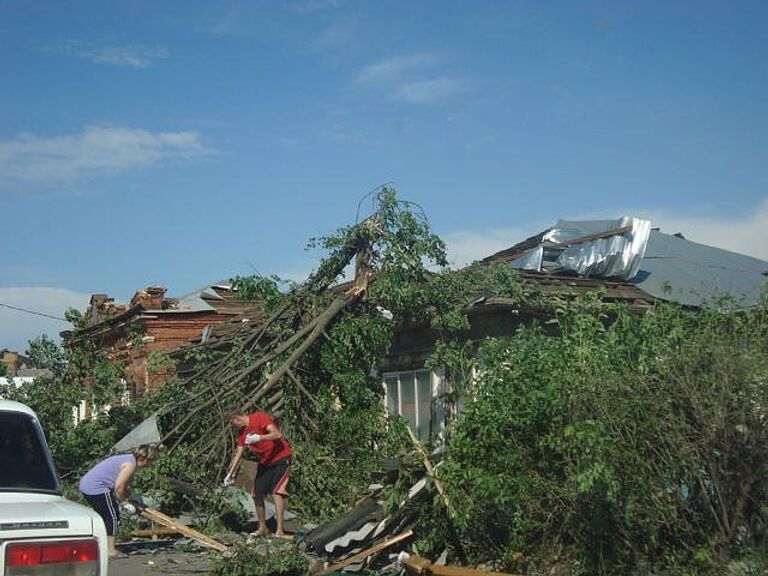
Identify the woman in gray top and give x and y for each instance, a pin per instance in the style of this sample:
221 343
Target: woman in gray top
106 486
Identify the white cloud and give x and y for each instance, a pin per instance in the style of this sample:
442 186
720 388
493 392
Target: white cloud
429 90
95 151
128 56
18 328
338 34
410 78
746 235
393 69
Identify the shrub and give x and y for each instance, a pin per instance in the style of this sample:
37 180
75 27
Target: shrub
274 559
639 438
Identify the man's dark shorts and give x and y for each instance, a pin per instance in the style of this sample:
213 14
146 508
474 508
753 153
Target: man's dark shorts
273 479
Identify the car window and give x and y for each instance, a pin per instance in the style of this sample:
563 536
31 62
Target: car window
24 461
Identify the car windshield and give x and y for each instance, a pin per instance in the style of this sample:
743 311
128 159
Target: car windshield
24 462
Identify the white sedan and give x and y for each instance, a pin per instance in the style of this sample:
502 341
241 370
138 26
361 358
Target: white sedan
41 532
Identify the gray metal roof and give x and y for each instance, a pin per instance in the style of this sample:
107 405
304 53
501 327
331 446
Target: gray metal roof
693 274
196 301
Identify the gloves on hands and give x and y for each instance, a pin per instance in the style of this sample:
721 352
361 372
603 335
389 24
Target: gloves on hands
229 480
252 438
128 508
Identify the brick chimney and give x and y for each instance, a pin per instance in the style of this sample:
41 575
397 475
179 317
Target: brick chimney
96 308
11 361
151 298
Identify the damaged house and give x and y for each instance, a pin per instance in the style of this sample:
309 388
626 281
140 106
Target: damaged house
629 261
152 322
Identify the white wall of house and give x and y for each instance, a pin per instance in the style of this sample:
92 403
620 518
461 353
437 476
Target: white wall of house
16 380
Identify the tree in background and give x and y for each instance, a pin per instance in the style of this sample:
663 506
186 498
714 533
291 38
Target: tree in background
76 376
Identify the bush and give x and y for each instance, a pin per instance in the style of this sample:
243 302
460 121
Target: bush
629 440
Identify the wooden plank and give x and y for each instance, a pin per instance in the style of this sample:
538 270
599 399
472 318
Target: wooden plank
418 566
590 237
153 532
161 518
431 472
386 543
461 571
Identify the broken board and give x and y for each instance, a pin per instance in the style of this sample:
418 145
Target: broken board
160 518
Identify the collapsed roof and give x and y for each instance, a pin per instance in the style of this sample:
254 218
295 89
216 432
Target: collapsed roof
667 267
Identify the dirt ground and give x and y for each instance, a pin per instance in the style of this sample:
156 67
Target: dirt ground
160 557
178 555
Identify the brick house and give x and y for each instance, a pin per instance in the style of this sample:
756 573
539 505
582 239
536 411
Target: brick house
151 323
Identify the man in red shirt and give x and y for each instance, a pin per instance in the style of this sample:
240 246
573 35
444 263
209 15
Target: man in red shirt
262 437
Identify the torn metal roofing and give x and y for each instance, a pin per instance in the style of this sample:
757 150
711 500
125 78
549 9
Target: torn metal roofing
668 267
198 300
599 248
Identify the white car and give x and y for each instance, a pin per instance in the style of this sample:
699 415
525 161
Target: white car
41 532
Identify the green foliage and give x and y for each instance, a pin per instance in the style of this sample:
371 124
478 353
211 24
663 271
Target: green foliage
45 353
263 288
441 298
273 559
159 364
73 447
352 434
78 374
76 318
332 466
401 247
640 439
625 443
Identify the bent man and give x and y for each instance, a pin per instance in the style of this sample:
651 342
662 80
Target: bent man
262 438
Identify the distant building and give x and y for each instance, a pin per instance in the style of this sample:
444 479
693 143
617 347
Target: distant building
13 361
19 369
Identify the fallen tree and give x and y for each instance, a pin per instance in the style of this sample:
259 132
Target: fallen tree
311 362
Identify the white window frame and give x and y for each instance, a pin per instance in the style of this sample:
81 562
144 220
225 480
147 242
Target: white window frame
409 377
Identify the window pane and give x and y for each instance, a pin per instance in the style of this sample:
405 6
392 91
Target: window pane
24 463
392 396
408 399
424 394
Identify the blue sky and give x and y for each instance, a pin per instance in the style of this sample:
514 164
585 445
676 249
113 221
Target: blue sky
181 142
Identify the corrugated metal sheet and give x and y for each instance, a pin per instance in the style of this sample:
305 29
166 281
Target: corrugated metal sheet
599 248
671 268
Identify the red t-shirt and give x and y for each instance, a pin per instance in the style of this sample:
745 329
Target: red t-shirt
267 451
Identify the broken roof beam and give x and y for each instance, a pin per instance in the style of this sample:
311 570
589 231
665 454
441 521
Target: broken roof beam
590 237
417 566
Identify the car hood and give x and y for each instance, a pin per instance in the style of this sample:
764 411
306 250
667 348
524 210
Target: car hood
25 515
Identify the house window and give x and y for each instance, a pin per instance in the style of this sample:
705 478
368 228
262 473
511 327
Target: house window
410 395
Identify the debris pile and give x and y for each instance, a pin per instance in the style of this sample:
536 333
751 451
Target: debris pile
366 536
